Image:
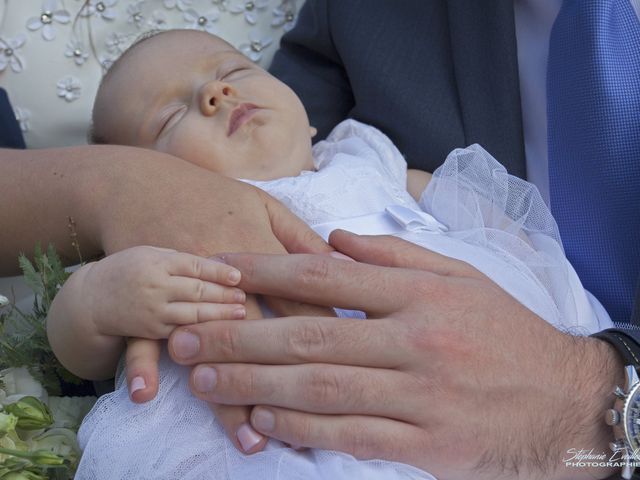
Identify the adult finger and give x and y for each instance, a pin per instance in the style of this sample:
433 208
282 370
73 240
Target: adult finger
293 340
142 368
323 280
314 388
235 421
389 251
363 437
185 289
293 233
210 270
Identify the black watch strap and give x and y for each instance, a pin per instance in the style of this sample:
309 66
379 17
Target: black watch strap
624 343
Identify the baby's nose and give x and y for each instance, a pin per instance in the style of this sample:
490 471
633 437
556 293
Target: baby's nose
212 94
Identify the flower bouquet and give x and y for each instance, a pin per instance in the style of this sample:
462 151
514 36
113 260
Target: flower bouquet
37 424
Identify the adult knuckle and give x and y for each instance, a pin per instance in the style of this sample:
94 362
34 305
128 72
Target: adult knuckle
314 269
196 267
226 341
323 388
200 289
306 339
358 442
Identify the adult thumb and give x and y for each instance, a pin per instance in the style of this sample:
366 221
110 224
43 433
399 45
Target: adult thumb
291 231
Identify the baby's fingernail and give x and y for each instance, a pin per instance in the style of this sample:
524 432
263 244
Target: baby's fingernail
185 345
248 437
137 383
264 420
341 256
239 314
205 379
234 276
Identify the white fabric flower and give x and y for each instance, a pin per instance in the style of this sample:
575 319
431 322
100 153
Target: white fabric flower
256 45
69 88
202 22
284 15
9 53
221 4
75 49
250 8
135 14
23 116
50 14
158 20
102 8
116 43
19 383
181 4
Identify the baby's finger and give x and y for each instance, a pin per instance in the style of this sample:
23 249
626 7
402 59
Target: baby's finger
235 420
187 265
185 289
187 313
142 368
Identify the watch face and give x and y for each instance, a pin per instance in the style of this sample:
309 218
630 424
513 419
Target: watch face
631 415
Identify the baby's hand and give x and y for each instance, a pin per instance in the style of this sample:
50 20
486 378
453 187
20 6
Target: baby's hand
147 291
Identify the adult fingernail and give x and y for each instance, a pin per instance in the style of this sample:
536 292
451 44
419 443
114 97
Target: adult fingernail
205 379
341 256
137 383
185 345
248 437
264 420
239 314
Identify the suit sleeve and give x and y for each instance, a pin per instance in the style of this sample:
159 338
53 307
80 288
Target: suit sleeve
309 63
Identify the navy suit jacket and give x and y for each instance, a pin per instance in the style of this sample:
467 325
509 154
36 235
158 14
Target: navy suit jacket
449 76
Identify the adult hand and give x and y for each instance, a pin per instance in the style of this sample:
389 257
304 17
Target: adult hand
449 373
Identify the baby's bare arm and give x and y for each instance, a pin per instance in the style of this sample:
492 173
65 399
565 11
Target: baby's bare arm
417 181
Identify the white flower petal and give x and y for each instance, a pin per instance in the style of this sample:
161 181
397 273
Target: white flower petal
236 9
3 300
3 64
34 23
16 64
109 14
49 5
251 18
190 15
48 32
62 16
18 41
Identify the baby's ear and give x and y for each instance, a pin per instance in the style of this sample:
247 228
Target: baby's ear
313 131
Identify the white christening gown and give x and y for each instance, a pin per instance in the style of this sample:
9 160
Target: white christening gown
472 210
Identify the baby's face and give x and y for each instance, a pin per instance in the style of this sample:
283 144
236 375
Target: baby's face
194 96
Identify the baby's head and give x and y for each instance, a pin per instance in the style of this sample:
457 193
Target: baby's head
191 94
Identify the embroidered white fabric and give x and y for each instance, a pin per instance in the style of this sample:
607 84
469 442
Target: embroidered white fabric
496 222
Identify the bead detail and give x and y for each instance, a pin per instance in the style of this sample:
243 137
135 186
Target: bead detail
100 7
202 21
256 46
46 18
249 6
8 52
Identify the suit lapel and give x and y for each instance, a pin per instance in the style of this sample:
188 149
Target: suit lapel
485 59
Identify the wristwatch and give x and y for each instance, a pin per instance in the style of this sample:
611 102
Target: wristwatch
624 417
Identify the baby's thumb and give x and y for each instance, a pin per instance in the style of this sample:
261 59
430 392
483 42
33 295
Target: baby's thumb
142 368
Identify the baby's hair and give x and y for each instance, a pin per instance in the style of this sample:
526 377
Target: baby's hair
93 136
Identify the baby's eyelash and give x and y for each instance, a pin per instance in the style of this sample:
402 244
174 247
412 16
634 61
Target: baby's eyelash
170 118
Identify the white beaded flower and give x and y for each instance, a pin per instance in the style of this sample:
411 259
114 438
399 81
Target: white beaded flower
181 4
76 51
23 116
202 22
9 53
284 15
250 8
255 47
50 13
158 21
103 8
221 4
116 43
69 88
135 14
